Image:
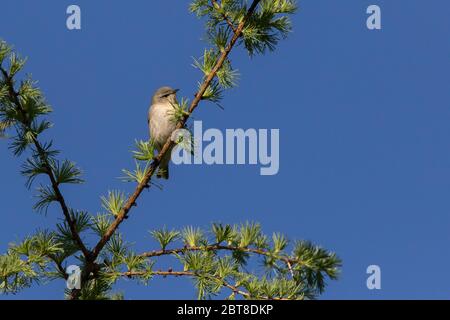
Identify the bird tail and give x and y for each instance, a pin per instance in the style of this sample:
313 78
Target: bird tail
163 172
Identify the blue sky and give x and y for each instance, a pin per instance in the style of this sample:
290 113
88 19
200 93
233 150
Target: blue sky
363 118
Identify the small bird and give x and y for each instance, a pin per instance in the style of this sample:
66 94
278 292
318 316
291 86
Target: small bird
161 123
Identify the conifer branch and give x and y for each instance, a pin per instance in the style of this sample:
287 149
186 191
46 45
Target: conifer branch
307 265
167 147
262 252
234 288
43 157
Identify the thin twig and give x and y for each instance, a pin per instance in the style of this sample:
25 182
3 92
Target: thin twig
217 6
59 267
290 268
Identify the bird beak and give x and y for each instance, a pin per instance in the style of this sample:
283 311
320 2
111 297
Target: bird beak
176 90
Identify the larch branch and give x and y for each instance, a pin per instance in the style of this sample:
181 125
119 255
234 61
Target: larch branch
287 260
154 165
191 274
48 168
234 288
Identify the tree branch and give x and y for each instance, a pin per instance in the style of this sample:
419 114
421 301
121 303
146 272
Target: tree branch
154 165
49 171
234 288
156 253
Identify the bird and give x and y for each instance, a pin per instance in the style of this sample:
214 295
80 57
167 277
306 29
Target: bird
161 124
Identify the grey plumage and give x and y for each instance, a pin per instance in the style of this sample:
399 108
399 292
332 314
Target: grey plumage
161 124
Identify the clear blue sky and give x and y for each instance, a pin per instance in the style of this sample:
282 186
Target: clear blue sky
364 121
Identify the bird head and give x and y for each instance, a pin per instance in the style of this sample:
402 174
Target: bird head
165 94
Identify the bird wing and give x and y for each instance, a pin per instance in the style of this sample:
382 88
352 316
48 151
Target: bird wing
153 124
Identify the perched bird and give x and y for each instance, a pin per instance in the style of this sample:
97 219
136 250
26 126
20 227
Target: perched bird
161 124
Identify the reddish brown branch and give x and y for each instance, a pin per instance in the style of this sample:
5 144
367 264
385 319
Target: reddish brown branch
234 288
156 253
154 165
191 274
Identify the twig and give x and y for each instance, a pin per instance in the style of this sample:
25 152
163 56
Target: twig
59 267
217 6
290 269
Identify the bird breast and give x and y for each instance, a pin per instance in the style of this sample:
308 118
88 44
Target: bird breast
161 123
